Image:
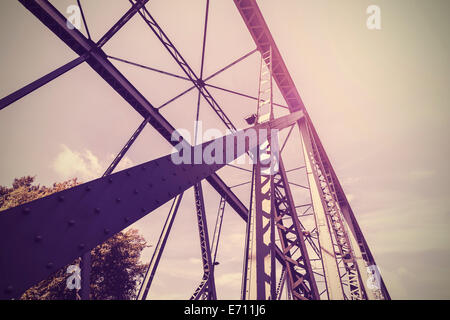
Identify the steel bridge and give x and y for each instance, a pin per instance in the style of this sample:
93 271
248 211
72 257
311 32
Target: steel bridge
313 250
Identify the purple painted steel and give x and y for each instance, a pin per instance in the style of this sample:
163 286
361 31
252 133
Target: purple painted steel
39 237
252 16
254 20
198 82
299 272
207 287
159 249
121 22
70 65
56 22
22 92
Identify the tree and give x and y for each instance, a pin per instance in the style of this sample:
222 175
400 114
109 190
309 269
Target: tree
115 271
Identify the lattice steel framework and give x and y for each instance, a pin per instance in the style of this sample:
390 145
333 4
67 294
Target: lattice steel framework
323 259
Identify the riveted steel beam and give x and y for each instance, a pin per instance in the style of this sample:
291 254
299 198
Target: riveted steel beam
39 237
56 22
299 272
254 20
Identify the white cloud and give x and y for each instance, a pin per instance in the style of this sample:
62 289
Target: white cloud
83 165
70 164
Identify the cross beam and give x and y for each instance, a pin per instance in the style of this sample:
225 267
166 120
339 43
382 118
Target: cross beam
257 26
39 237
56 22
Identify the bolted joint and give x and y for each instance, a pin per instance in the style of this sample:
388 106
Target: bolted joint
200 83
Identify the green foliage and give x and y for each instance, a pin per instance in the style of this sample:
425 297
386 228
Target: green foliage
115 267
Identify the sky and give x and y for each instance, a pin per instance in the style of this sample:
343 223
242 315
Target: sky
378 99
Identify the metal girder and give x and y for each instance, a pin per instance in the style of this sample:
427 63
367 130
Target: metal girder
159 249
299 272
207 286
351 274
358 240
39 237
272 203
121 22
259 271
280 285
4 102
125 148
198 82
56 22
254 20
218 229
262 37
335 290
16 95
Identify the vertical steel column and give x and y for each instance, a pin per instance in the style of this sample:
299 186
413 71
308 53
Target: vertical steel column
259 273
299 272
207 287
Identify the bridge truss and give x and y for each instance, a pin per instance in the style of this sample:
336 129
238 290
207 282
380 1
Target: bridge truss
309 250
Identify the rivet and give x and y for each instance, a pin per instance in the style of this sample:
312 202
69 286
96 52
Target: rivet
118 200
150 185
163 179
127 219
81 246
71 222
97 210
110 180
143 209
49 265
128 173
136 191
9 289
61 198
26 210
143 168
38 238
106 231
88 188
157 201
